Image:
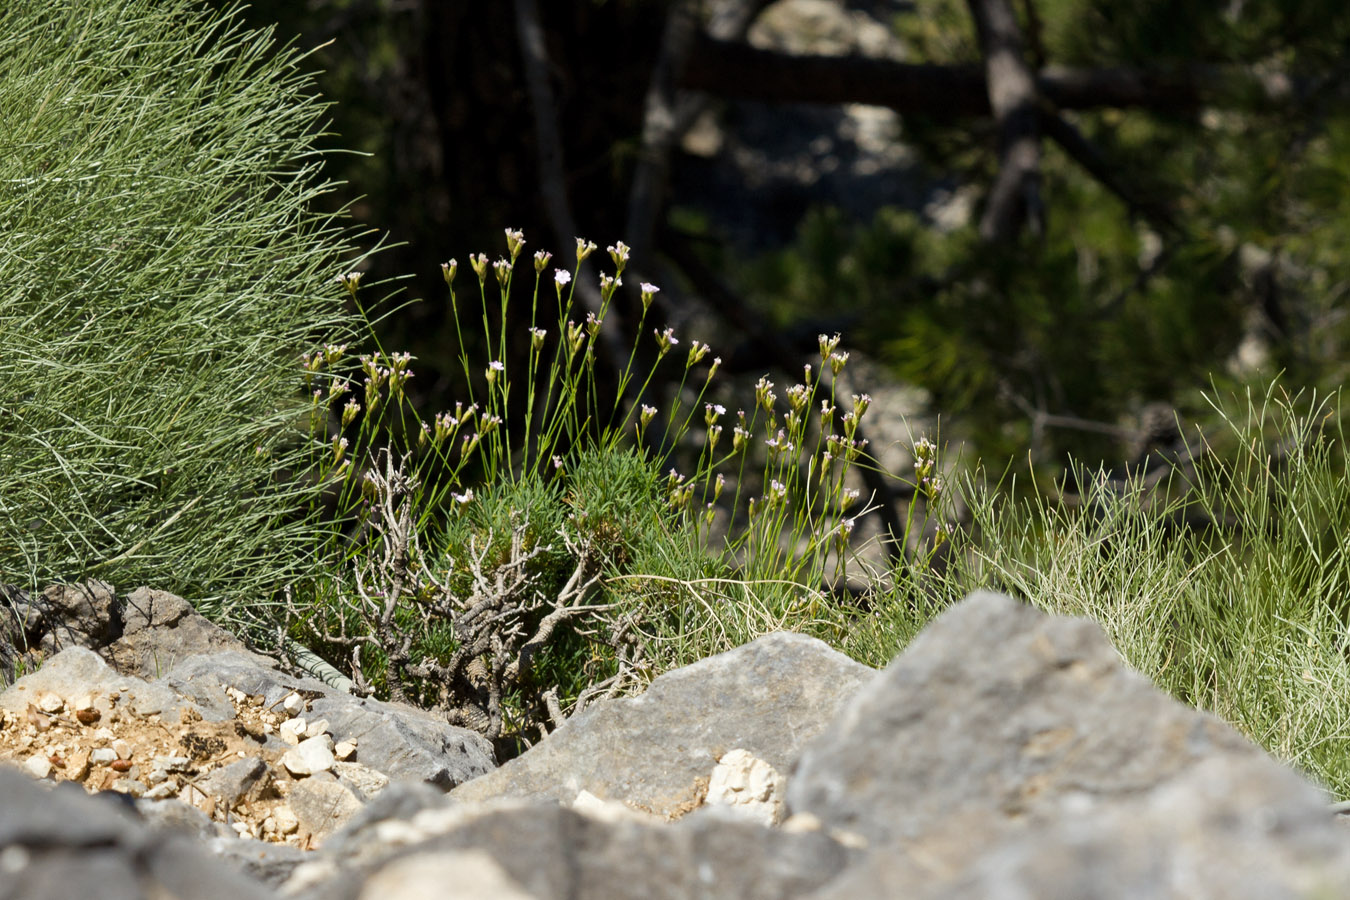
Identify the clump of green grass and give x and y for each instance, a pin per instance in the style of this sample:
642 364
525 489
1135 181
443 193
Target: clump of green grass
162 269
1226 580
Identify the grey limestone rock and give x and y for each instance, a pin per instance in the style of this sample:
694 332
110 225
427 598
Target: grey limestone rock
67 671
552 852
404 743
269 865
998 709
204 677
159 630
323 805
174 815
400 741
144 634
78 615
656 751
236 782
1009 753
57 844
365 782
475 875
77 670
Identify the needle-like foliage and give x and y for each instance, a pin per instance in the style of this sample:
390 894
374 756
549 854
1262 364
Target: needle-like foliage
162 268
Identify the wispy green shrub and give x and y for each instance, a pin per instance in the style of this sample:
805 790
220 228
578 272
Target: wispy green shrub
162 269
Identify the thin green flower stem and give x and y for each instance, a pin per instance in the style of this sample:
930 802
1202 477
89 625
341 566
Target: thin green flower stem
627 376
463 351
505 295
689 416
483 304
532 376
591 387
566 420
549 412
642 392
740 472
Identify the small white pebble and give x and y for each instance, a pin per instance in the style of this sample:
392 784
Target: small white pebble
129 786
13 860
161 791
172 763
38 766
292 731
286 820
310 756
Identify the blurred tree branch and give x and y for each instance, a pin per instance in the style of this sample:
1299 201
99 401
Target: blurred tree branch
945 92
1082 151
1015 196
668 113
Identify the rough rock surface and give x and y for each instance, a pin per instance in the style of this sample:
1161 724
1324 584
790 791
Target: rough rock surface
58 844
1005 753
159 630
657 751
1036 715
145 633
749 785
218 732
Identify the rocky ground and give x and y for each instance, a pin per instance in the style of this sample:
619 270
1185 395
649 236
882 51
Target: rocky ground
1004 754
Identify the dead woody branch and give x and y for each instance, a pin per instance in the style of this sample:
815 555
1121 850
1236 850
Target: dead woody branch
501 623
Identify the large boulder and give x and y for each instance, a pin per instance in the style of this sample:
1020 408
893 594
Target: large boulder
159 630
63 615
1228 828
1007 747
58 844
145 633
1000 709
657 751
547 851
